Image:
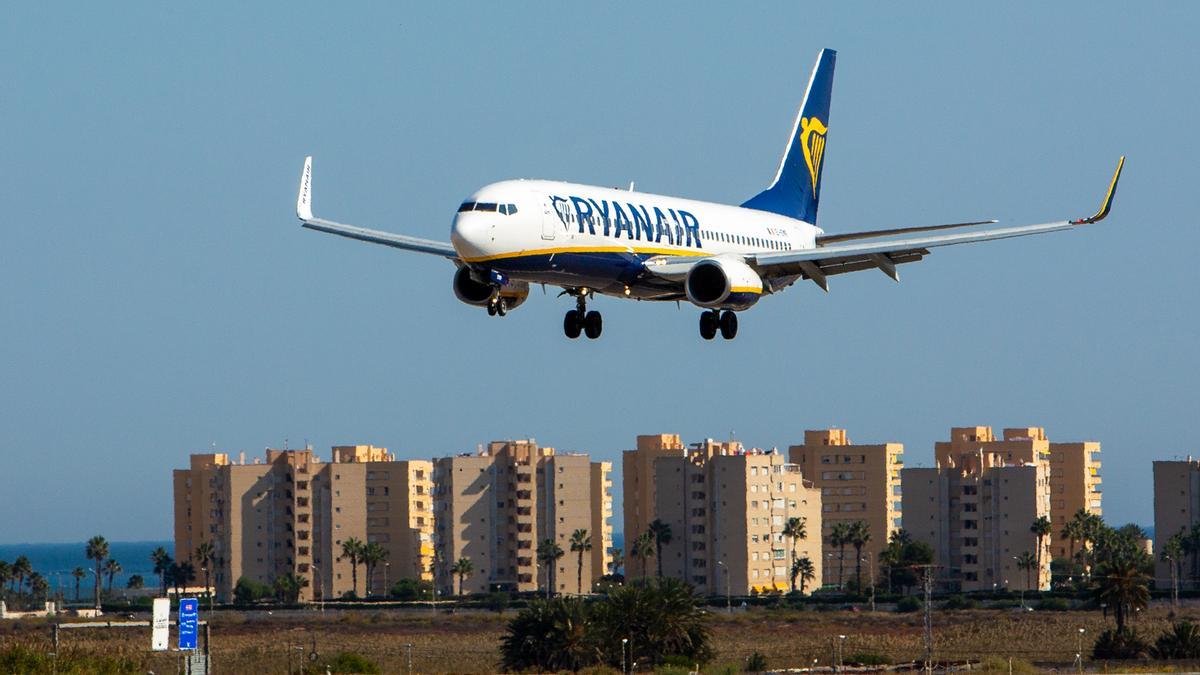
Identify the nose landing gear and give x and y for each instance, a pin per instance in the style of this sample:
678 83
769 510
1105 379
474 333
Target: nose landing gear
579 320
714 320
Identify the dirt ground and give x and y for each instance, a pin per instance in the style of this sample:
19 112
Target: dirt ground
467 642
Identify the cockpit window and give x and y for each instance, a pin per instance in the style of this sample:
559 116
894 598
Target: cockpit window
466 206
485 206
506 209
512 208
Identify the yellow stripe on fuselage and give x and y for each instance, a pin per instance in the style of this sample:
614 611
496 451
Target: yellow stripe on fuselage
588 249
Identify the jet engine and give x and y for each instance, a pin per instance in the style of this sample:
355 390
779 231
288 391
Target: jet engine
723 283
472 291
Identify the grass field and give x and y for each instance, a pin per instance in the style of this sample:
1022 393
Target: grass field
262 643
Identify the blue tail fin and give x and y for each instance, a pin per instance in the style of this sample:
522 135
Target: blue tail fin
797 185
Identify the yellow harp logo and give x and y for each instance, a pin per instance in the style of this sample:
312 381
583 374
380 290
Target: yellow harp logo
812 140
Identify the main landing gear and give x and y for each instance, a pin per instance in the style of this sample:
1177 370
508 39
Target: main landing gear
579 320
715 319
498 307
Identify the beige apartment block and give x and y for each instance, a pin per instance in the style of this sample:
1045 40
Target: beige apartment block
726 507
1176 509
494 507
292 512
637 477
975 509
1074 468
857 482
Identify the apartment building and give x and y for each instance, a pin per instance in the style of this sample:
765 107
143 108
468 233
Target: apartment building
1176 507
975 509
637 478
494 507
857 483
291 513
726 507
1075 477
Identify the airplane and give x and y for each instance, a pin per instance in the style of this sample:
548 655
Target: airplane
592 240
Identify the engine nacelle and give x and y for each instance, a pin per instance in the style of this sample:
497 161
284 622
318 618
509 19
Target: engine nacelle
480 293
723 283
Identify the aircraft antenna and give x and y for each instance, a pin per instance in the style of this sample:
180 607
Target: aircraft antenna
631 184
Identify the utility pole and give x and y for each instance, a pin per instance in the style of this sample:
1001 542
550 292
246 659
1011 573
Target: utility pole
927 582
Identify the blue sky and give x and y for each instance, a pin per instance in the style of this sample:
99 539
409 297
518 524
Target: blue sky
160 298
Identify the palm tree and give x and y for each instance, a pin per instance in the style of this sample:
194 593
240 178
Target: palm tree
1122 585
1028 562
206 555
135 582
618 560
79 573
548 553
162 565
860 534
795 530
1073 531
642 547
581 542
662 536
807 571
180 575
352 550
372 554
463 568
111 569
38 586
1172 554
1041 528
97 550
21 568
839 536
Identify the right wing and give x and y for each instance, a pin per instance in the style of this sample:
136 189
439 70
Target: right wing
304 213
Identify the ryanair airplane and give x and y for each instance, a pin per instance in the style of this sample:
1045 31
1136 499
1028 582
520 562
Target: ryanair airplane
627 244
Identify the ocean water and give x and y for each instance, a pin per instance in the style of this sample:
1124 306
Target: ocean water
56 561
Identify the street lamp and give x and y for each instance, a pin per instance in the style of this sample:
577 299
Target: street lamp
872 568
841 661
624 661
1079 652
728 592
317 583
386 590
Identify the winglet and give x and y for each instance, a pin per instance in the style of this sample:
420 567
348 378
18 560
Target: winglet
1108 199
304 199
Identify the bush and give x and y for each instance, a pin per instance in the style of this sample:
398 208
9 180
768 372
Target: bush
869 659
1004 604
1053 605
411 589
1182 641
248 590
498 601
351 662
960 602
1119 645
756 663
908 604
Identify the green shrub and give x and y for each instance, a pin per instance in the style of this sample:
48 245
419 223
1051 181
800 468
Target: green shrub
1117 645
248 590
351 662
869 659
1003 604
908 604
411 589
498 601
756 663
1182 641
960 602
1053 605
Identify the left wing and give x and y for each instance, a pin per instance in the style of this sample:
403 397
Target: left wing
305 214
824 261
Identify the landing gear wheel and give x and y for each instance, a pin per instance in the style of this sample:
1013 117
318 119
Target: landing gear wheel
728 325
572 325
491 309
593 324
502 307
708 325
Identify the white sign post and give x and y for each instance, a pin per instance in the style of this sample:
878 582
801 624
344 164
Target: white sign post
160 625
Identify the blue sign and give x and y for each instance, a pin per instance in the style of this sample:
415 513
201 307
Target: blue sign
189 622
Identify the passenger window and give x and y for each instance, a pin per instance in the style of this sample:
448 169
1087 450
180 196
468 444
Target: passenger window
466 206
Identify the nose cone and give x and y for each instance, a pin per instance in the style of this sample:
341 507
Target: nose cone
470 235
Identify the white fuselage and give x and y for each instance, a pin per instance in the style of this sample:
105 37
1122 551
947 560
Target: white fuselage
598 238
